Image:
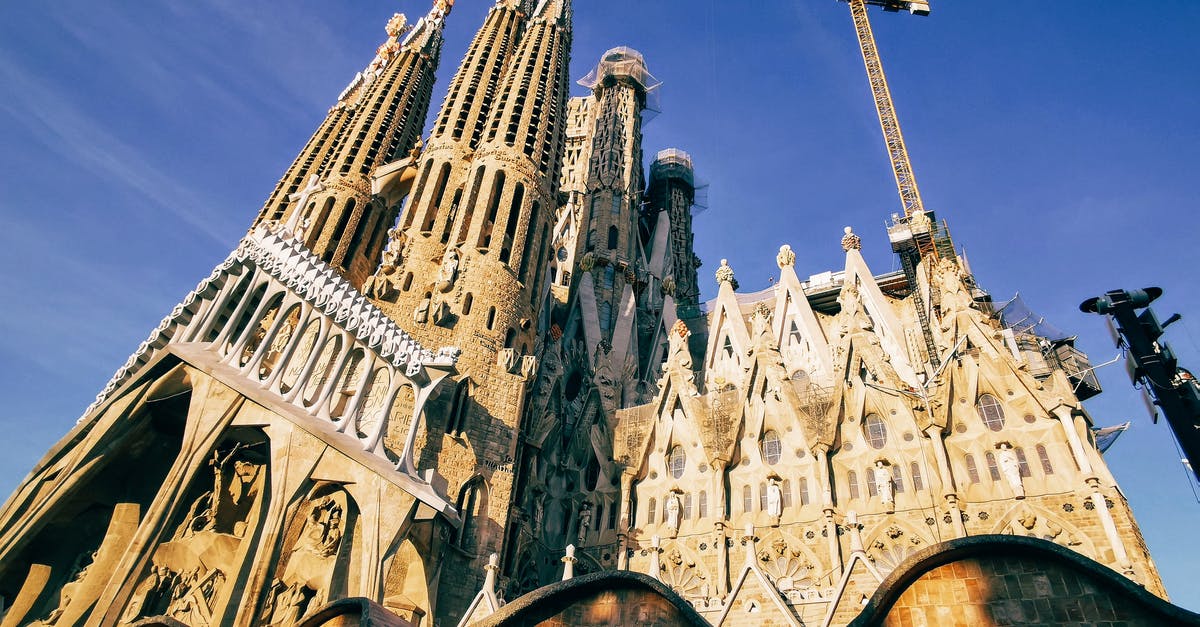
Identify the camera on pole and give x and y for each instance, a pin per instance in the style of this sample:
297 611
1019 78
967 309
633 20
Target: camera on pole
1153 365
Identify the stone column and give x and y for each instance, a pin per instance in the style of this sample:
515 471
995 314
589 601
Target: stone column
1063 413
655 549
625 519
835 548
718 490
1110 528
722 558
568 561
949 486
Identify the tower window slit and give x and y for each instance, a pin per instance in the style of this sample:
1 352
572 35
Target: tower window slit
510 227
439 191
489 222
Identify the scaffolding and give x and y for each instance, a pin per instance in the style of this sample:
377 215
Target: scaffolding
1047 348
624 64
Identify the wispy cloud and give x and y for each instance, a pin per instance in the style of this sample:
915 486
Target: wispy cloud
81 141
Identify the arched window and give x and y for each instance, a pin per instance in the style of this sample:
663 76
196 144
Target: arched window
458 408
993 469
650 512
529 253
762 497
510 224
918 482
872 489
612 515
509 337
803 490
591 474
610 274
408 278
1047 467
972 470
472 503
613 234
491 317
875 431
747 499
897 478
466 306
489 219
677 461
605 311
616 205
990 411
1022 463
852 481
703 505
771 447
687 506
786 493
439 190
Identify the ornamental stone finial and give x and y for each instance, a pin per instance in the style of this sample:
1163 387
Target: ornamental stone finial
397 25
785 257
850 241
724 273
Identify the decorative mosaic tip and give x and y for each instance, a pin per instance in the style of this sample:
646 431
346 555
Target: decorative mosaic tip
785 257
724 273
850 241
680 329
397 25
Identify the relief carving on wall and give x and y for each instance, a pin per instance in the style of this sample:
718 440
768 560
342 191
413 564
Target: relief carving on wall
188 571
307 573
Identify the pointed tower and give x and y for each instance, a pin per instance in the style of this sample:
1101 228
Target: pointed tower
666 230
470 258
377 119
589 356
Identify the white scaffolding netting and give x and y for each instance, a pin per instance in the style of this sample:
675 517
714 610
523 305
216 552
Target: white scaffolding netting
624 62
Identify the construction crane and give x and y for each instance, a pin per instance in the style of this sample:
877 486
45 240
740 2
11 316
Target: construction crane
913 233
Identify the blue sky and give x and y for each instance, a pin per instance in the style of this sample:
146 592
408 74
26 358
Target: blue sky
1059 139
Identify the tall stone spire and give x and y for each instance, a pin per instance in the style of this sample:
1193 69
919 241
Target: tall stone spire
377 118
478 227
470 257
444 166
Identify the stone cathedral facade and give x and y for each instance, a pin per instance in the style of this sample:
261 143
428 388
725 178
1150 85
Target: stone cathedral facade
456 378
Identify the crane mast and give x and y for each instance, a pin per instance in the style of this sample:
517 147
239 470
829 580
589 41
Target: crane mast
906 181
913 234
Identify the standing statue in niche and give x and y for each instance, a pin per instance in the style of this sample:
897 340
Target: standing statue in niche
1010 467
448 272
585 521
774 500
422 312
539 512
673 508
883 483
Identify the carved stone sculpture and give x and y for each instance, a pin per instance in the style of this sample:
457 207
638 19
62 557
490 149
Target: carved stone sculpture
673 509
883 483
774 501
585 521
1010 467
448 271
